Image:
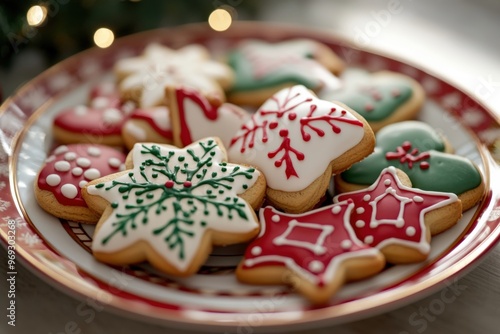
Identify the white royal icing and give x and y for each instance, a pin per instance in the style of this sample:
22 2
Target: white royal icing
160 66
144 232
317 154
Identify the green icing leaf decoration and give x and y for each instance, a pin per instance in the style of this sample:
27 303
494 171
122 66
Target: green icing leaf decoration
172 195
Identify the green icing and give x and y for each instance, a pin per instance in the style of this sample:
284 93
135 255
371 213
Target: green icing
445 172
374 102
179 224
245 79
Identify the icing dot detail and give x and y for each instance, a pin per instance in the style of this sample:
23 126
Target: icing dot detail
418 199
169 184
410 231
316 266
368 239
70 156
360 210
367 198
114 162
62 166
275 218
83 162
94 151
61 149
256 251
360 224
387 182
69 191
80 110
92 174
53 180
82 183
112 116
336 210
77 171
50 158
346 244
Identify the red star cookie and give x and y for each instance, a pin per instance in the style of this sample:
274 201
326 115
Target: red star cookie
398 219
315 252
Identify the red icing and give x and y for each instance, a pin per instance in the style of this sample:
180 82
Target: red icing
98 162
332 228
145 115
405 154
91 121
389 207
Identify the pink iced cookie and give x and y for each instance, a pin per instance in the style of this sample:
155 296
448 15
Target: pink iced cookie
66 171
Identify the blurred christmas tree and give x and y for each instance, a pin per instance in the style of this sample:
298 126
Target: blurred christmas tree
59 28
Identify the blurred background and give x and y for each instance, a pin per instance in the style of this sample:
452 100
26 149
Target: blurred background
456 38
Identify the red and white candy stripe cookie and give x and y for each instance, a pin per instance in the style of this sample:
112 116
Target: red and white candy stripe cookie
59 182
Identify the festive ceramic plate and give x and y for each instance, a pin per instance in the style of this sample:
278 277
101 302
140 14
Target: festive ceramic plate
213 299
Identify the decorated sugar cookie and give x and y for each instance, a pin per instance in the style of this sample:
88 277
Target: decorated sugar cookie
143 79
398 219
298 141
381 98
195 117
315 252
99 122
262 69
67 169
147 125
418 150
171 205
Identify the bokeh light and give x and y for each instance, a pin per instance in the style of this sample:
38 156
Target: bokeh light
103 37
220 19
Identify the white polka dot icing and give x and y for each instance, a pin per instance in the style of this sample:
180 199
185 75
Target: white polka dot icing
112 116
69 191
275 218
92 174
61 149
410 231
62 166
316 266
77 171
94 151
81 110
53 180
70 156
114 162
368 239
256 251
86 162
83 162
346 244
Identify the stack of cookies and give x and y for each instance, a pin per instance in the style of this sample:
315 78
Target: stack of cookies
183 152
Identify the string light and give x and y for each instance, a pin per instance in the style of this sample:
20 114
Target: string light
36 15
220 19
103 37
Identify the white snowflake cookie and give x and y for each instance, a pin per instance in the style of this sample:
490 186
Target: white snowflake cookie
143 79
171 205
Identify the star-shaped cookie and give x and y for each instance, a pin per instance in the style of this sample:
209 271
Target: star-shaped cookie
398 219
315 252
171 205
143 79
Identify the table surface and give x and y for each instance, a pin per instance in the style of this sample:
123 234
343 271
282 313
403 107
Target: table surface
458 40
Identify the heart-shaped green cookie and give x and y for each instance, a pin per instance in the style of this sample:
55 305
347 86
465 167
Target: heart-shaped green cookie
381 98
417 149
